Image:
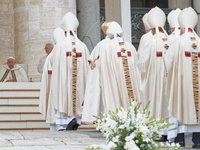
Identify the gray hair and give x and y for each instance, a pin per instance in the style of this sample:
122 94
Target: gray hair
51 45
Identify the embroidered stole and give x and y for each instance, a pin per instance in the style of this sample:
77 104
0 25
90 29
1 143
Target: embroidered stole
195 73
6 74
13 76
74 55
74 78
124 54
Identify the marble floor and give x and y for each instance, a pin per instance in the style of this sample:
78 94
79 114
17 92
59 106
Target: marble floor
46 140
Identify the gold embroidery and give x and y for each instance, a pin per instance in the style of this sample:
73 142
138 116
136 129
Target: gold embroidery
195 81
127 73
93 65
13 76
5 75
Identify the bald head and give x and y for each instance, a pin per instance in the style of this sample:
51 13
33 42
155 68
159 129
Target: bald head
11 62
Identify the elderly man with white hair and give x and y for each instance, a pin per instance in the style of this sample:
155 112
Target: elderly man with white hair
12 72
48 48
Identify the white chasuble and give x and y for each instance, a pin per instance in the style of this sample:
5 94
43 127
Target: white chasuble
118 77
92 100
174 129
46 107
183 78
153 72
69 73
17 74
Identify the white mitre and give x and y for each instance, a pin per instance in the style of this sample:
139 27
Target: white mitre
156 18
188 18
114 29
170 18
145 22
173 18
70 22
58 35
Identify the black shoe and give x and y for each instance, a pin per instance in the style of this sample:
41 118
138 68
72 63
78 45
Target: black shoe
61 130
75 127
162 139
182 144
180 138
196 146
71 124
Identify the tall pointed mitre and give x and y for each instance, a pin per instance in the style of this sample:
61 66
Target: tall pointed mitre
156 18
58 35
70 22
105 26
173 18
114 29
188 18
145 22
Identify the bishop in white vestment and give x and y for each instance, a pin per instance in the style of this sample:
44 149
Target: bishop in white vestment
12 72
183 78
146 38
69 74
92 97
152 65
118 74
46 107
172 18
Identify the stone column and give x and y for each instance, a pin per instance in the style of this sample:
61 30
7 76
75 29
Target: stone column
89 30
196 4
35 21
6 30
179 4
120 11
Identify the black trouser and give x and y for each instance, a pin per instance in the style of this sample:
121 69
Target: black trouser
180 138
195 138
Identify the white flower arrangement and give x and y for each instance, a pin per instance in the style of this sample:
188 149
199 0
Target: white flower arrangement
131 130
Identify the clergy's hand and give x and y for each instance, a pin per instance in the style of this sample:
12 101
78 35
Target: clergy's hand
10 80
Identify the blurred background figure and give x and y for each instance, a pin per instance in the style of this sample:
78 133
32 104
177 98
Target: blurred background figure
48 48
12 72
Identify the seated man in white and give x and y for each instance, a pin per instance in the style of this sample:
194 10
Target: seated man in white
12 72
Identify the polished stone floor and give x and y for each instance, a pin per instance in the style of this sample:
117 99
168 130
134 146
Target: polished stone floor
46 140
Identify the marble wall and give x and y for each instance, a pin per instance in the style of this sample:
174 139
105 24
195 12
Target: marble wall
6 30
35 21
27 25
